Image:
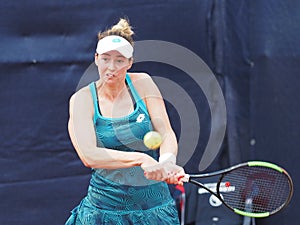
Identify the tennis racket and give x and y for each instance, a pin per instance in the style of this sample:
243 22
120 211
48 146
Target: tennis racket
254 189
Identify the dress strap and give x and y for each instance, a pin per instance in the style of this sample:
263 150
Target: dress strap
93 89
139 101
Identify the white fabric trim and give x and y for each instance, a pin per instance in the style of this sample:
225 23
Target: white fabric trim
167 157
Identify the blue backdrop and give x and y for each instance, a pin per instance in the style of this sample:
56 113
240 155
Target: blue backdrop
252 47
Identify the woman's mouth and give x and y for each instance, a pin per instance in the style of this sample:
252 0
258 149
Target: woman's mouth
110 75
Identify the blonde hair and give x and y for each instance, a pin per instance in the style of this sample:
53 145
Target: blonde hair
122 29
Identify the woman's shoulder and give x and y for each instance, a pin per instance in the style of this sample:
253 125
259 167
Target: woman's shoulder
144 83
143 80
139 76
83 94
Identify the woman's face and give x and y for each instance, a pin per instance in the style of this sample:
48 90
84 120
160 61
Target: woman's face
112 66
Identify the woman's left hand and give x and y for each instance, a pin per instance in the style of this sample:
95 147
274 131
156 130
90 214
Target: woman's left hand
174 173
166 171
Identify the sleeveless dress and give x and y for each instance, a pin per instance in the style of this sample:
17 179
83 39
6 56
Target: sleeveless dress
124 196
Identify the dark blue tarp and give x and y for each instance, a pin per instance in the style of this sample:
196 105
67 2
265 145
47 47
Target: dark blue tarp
252 47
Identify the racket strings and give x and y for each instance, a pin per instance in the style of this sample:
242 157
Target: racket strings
255 189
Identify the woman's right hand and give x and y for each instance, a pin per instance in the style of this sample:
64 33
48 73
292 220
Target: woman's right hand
165 171
153 170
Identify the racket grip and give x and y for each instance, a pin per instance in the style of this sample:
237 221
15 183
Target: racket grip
184 178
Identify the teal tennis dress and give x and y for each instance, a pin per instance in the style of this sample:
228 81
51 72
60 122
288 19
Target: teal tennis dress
124 196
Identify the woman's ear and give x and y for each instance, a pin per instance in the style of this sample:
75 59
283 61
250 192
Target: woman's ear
130 63
96 58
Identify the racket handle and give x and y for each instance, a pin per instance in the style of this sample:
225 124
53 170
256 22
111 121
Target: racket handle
184 178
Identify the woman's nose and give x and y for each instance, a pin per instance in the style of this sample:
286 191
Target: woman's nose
111 65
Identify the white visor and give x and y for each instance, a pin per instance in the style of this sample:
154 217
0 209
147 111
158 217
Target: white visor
114 42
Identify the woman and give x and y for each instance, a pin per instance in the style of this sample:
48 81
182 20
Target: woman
108 120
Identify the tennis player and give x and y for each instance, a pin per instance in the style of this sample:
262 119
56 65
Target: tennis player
108 120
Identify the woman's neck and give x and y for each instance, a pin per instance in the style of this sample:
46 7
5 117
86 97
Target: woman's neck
111 92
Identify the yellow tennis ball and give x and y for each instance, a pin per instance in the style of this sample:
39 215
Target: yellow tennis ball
152 140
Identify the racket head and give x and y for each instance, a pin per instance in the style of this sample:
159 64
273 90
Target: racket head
256 189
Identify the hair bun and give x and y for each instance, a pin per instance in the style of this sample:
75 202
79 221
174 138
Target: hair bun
122 28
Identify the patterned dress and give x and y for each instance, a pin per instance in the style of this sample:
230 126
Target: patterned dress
124 196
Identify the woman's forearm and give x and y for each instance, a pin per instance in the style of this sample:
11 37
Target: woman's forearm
111 159
169 144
